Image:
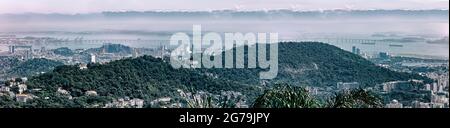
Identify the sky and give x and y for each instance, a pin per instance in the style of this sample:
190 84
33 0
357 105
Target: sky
89 6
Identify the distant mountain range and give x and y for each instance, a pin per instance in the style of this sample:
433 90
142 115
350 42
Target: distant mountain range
440 41
221 14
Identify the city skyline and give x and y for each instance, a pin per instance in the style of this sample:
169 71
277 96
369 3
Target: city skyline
93 6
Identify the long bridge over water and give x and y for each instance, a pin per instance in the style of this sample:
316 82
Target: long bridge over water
325 40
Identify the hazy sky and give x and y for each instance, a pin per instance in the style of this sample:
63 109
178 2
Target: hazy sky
85 6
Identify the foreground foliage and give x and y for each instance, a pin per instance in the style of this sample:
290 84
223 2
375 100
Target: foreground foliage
286 96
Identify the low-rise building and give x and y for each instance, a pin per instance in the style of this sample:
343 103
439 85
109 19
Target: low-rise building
437 105
439 99
394 104
126 103
418 104
22 88
396 85
4 89
83 66
62 91
90 93
347 85
22 97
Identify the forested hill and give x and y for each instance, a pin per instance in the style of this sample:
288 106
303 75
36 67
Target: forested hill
32 67
319 64
324 64
145 77
148 78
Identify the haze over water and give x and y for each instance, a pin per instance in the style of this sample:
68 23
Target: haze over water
326 27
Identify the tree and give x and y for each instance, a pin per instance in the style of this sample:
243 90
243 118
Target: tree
286 96
357 98
202 101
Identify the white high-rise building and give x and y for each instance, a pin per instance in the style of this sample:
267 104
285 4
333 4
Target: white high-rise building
435 87
428 87
93 58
